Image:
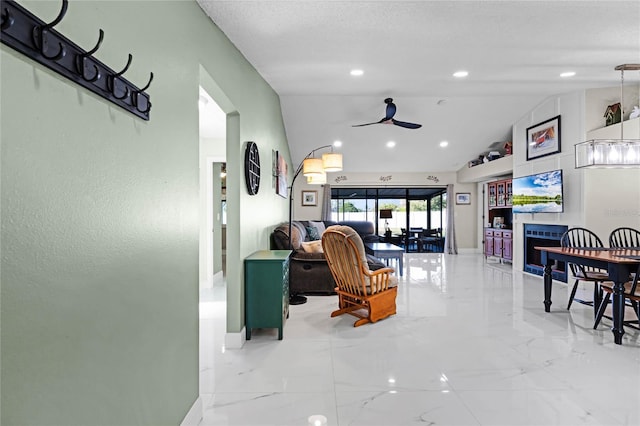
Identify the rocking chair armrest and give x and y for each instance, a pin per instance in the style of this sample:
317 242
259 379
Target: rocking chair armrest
380 280
386 270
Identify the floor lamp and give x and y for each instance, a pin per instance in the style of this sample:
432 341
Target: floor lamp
315 170
386 214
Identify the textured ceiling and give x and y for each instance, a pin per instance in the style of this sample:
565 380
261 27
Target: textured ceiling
514 52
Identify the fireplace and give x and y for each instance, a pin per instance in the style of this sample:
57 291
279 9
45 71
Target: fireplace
536 235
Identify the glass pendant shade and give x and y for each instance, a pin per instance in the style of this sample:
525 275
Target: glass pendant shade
317 179
603 153
312 167
611 153
332 162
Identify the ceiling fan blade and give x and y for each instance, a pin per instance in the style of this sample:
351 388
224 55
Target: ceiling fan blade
369 124
406 125
365 124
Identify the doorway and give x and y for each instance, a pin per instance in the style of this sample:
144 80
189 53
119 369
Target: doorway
212 125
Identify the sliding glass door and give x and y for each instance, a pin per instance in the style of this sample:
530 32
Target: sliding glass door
410 209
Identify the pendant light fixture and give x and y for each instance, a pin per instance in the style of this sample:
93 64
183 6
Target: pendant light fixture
611 153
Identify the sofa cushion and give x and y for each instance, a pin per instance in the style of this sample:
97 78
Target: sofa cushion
303 255
313 233
319 226
280 236
312 246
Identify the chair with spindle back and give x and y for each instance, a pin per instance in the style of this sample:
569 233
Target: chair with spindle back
623 238
359 289
586 239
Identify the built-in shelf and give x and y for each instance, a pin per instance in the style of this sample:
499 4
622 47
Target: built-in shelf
631 130
499 167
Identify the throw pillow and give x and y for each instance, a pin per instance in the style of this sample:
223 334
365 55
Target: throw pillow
312 231
319 226
312 246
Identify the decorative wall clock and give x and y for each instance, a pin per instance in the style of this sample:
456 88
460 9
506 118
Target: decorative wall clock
252 168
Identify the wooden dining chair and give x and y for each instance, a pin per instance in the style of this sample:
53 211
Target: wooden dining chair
631 293
367 295
584 238
624 237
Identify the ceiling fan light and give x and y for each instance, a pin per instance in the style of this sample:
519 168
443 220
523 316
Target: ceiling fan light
332 162
312 167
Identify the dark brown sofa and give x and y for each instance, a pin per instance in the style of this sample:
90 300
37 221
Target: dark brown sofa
309 272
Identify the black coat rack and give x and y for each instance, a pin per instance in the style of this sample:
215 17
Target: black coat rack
23 31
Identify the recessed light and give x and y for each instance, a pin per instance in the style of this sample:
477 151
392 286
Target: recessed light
568 74
337 143
391 144
460 74
356 73
444 143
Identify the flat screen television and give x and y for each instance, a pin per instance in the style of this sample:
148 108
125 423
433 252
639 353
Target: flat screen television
539 193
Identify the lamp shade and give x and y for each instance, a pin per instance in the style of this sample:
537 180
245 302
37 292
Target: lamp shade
317 179
385 214
332 162
312 167
608 153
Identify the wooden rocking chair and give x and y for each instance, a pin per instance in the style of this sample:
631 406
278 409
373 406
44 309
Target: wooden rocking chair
368 295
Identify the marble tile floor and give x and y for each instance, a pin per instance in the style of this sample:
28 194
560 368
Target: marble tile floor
470 345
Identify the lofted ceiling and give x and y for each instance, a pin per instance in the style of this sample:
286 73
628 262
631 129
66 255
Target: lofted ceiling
514 52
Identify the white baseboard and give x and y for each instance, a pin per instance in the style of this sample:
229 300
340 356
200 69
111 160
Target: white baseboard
235 340
194 416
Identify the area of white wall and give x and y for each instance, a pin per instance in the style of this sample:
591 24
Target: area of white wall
598 199
612 197
100 217
570 107
465 215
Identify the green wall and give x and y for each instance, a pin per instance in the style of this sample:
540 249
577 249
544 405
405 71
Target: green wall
99 217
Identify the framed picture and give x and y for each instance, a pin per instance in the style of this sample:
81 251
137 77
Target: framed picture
281 176
543 139
309 198
463 198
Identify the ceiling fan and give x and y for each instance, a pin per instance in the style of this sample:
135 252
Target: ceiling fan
388 118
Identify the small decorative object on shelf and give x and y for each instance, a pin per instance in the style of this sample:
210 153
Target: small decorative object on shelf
613 114
508 148
635 113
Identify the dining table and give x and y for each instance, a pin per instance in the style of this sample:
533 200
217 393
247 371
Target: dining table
619 264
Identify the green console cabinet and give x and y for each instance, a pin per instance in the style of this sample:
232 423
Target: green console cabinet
266 292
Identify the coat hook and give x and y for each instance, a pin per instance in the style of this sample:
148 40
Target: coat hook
7 19
118 74
136 95
39 32
60 16
81 59
148 84
111 80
